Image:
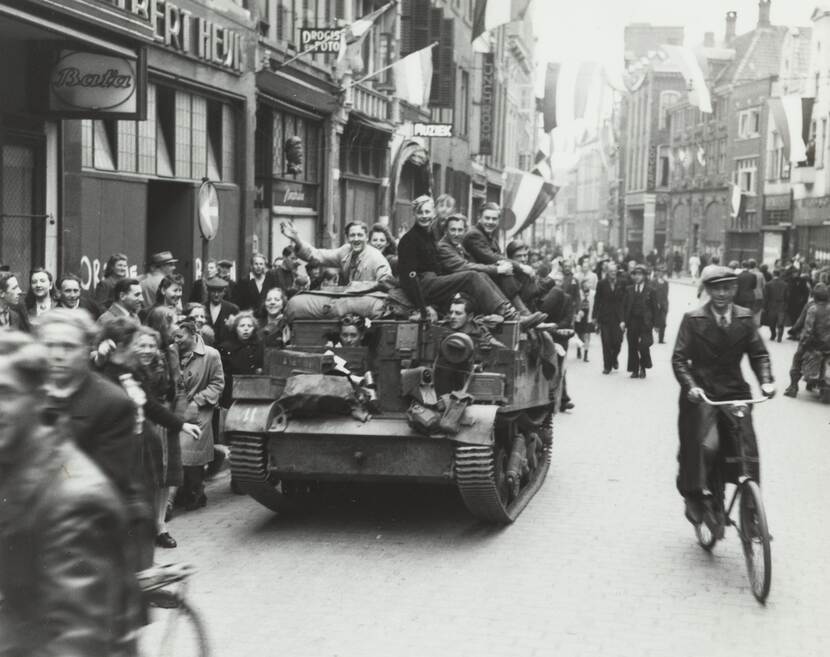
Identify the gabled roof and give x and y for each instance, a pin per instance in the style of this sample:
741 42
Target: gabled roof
757 56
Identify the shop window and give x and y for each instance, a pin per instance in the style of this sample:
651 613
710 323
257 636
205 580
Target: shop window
667 100
277 150
214 140
126 139
104 144
312 152
184 135
821 143
147 135
665 168
228 143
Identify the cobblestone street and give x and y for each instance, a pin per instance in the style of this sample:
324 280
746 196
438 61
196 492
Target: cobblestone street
601 563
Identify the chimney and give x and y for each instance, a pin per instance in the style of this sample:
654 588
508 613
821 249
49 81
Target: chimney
763 13
709 40
731 19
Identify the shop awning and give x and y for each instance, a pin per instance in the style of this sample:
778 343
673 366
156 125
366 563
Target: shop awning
367 121
318 98
66 32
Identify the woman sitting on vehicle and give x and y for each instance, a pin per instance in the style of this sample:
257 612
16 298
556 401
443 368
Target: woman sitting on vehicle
274 330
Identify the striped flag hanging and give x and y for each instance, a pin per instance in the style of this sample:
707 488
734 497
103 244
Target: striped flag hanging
792 116
686 62
490 14
525 198
413 76
351 41
573 91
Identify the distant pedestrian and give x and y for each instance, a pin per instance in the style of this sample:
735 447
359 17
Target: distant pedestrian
219 310
251 292
776 305
224 268
608 313
661 293
199 292
638 316
584 325
694 266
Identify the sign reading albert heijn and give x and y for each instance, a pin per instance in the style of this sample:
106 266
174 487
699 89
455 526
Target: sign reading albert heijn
95 85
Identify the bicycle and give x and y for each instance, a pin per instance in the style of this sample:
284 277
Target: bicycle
752 525
175 628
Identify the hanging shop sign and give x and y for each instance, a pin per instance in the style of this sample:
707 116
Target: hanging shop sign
179 27
432 129
323 40
208 210
91 85
488 79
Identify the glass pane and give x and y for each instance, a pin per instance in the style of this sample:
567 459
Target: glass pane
103 156
228 143
126 145
299 131
183 135
199 114
18 176
312 153
86 143
147 135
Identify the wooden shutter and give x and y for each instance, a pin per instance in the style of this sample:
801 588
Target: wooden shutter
415 18
442 93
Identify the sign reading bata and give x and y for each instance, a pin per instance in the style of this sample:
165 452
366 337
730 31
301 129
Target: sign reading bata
181 29
89 81
320 40
485 133
432 129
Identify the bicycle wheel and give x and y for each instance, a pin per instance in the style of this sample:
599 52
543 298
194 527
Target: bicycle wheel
755 538
175 630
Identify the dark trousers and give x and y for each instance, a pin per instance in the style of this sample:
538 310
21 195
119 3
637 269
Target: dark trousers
611 337
193 485
640 338
776 325
438 290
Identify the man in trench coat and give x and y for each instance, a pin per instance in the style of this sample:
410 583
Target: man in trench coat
711 342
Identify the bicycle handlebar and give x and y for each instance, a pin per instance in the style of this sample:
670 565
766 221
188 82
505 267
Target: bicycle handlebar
733 402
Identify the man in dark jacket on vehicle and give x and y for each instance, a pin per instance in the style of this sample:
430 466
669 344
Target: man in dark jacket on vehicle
66 582
711 342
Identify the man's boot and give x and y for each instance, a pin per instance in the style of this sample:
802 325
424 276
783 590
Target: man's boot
526 321
792 389
519 305
585 354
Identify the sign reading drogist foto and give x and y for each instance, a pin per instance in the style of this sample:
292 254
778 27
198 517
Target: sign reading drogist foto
323 40
432 129
85 81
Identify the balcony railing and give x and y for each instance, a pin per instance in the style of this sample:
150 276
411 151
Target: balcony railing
371 102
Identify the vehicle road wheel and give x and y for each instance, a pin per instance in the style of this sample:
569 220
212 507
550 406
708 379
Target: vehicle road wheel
502 484
755 538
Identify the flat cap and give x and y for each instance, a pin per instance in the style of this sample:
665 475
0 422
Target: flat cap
224 263
216 283
162 258
640 268
714 274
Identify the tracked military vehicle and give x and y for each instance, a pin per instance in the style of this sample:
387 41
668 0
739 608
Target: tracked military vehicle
420 403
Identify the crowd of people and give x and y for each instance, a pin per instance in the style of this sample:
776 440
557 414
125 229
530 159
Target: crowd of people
129 380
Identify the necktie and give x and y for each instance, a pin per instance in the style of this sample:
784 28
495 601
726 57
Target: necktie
352 267
722 321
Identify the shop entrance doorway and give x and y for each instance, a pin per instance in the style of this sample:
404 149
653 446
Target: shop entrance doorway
171 209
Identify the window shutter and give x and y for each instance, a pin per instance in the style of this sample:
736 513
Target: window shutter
442 93
415 19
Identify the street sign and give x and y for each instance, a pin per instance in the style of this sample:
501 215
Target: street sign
487 108
432 129
314 39
208 210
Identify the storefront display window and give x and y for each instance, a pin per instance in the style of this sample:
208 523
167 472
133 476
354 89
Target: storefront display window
185 135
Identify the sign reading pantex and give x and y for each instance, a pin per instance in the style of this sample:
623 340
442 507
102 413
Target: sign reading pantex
197 36
432 130
89 81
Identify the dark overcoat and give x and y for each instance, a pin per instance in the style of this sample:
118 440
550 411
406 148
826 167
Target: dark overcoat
708 356
661 296
66 583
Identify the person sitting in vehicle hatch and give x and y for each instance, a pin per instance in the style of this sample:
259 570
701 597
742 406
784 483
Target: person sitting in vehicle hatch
460 318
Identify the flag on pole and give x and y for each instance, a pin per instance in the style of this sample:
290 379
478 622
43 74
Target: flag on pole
792 116
736 200
548 101
686 62
701 155
525 198
490 14
349 57
572 91
413 76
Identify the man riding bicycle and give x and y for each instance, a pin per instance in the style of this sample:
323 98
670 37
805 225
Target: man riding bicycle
711 343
